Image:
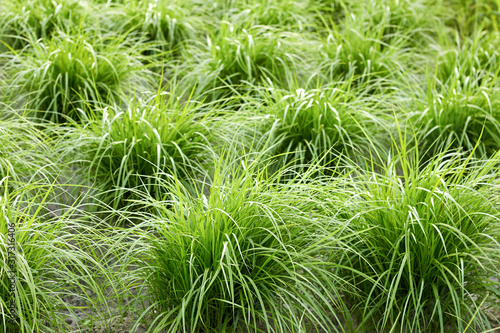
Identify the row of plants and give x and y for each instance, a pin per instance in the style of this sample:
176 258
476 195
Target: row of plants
363 249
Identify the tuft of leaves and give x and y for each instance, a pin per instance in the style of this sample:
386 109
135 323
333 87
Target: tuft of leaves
428 239
134 149
69 75
243 256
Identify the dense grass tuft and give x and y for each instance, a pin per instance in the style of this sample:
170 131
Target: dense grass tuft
366 46
461 107
24 22
242 257
67 76
48 267
429 238
167 24
24 151
130 149
233 59
321 124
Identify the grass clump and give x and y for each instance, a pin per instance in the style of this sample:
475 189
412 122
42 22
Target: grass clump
321 125
131 149
429 238
469 57
47 268
367 46
70 74
461 102
233 59
24 22
290 15
24 151
167 24
240 258
468 17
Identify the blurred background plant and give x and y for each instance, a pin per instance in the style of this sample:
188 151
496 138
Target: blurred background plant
69 75
24 22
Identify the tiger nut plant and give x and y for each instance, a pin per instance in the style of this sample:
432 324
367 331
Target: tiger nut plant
253 166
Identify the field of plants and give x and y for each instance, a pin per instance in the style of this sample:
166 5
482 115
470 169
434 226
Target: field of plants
286 166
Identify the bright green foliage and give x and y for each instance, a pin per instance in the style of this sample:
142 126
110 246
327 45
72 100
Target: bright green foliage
461 107
22 22
240 258
69 75
166 23
245 55
234 58
429 238
367 45
24 151
321 124
407 20
477 55
269 198
47 267
289 14
134 149
470 16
